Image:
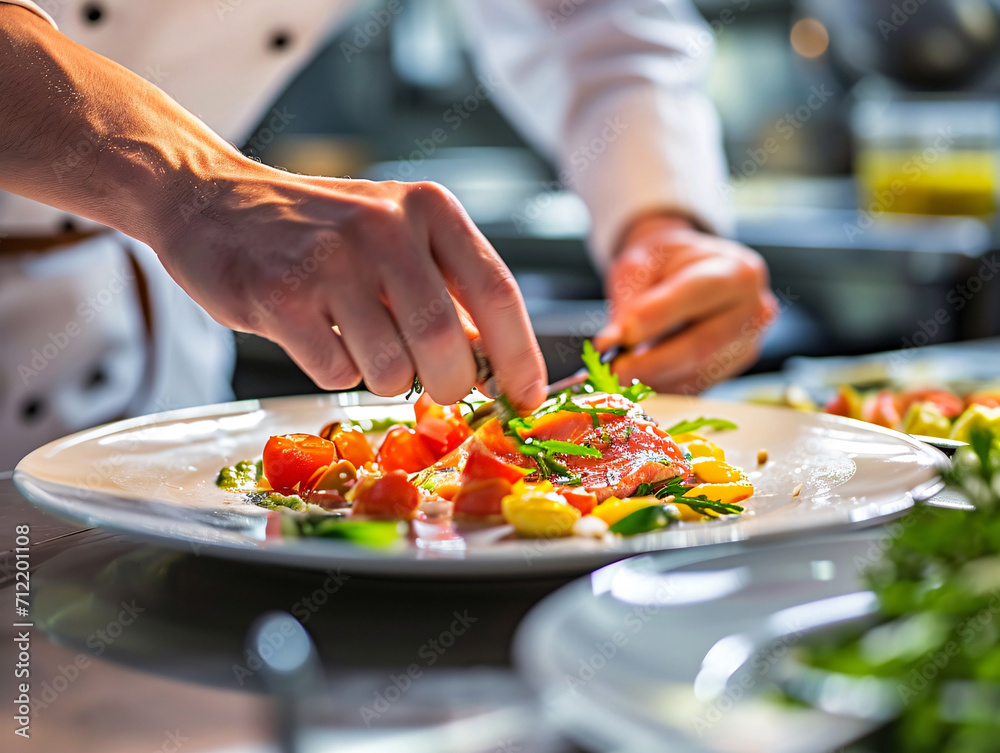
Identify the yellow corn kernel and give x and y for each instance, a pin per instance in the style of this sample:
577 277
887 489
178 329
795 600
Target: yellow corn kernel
540 514
712 471
734 491
702 448
614 509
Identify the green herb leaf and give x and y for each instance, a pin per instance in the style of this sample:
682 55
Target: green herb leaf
646 519
559 447
600 378
373 533
702 503
685 427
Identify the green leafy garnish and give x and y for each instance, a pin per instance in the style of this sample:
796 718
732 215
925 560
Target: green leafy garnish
675 488
558 447
646 519
685 427
373 533
600 378
541 451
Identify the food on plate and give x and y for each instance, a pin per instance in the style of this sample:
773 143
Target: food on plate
588 462
932 656
929 411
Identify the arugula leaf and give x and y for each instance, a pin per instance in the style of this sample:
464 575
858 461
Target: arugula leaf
685 427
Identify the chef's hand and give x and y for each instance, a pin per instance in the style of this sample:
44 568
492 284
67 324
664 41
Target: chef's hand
291 257
284 256
690 307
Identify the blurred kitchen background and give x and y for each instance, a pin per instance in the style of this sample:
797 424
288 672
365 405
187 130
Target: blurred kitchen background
862 137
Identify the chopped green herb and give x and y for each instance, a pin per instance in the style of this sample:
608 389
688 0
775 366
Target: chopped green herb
243 476
373 533
274 501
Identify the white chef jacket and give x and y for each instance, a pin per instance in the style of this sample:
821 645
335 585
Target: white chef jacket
610 89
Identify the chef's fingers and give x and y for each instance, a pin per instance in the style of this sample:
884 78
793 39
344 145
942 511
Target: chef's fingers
694 292
481 282
430 326
370 333
700 355
318 350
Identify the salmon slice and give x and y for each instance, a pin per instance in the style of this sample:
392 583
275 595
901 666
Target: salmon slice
634 450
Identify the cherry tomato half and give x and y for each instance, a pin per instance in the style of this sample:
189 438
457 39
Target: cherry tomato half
441 426
404 450
389 496
292 459
352 444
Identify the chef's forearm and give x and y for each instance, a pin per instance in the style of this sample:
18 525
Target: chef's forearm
82 133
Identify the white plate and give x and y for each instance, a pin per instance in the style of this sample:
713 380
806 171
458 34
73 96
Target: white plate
153 477
676 650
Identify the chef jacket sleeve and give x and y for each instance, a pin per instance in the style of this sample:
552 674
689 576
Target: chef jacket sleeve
32 7
613 92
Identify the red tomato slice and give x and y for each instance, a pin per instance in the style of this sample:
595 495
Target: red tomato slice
352 444
291 459
441 426
882 410
482 464
404 450
988 399
389 496
482 498
581 499
948 403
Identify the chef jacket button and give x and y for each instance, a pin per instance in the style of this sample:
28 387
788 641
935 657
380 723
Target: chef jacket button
281 40
93 13
32 409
